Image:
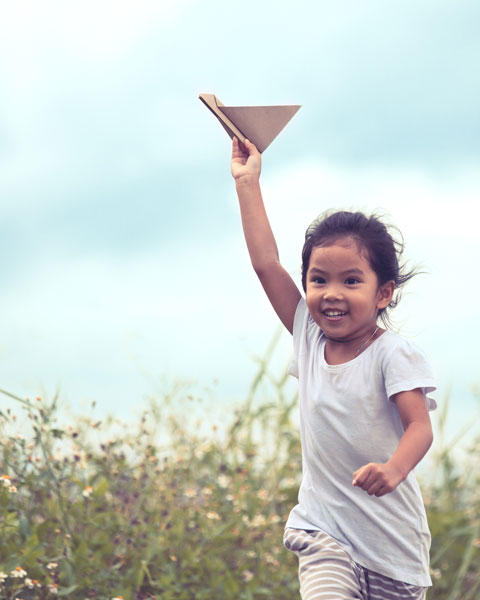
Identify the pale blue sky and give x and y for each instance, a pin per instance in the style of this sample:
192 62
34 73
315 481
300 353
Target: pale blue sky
124 267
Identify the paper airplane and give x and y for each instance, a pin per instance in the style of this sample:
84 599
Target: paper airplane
259 124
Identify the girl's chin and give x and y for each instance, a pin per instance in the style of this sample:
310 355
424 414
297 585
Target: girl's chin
338 332
338 339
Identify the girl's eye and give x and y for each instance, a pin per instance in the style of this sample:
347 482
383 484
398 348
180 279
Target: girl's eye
318 280
351 280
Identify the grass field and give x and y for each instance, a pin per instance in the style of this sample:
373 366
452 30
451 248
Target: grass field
170 509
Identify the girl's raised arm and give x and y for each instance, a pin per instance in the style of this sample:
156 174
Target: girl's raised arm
277 283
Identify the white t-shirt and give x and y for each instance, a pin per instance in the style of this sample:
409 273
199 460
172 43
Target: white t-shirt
346 421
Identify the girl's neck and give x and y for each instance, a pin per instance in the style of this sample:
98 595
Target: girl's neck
338 352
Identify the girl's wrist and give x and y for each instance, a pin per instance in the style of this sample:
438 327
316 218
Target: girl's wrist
398 468
247 180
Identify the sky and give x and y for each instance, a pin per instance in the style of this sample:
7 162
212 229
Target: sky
124 271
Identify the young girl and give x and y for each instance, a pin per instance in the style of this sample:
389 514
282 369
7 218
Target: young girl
359 528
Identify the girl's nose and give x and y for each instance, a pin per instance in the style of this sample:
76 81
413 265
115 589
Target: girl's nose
332 293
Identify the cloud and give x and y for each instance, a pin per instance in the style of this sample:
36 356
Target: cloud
419 201
378 82
112 329
112 27
118 216
192 308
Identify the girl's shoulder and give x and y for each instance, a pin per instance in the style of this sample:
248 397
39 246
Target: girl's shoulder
390 340
405 366
397 352
394 348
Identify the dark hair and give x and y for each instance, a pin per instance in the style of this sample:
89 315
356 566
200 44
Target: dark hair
372 236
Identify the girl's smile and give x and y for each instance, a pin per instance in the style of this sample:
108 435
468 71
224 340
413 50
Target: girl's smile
343 294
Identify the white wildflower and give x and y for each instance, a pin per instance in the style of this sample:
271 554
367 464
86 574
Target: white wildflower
18 572
223 481
87 492
275 519
258 521
270 559
213 516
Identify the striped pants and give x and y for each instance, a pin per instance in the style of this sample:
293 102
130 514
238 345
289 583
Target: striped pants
327 572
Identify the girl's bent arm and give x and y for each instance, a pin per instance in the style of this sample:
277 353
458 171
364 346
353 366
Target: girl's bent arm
418 436
380 479
277 283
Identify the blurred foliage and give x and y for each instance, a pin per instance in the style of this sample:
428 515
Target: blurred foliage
161 510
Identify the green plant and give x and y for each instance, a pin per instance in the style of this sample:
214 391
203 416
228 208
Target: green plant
166 509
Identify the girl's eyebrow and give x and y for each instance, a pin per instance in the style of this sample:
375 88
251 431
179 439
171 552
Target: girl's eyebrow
353 270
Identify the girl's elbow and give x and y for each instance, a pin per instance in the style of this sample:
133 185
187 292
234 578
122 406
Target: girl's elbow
259 268
428 436
264 267
431 437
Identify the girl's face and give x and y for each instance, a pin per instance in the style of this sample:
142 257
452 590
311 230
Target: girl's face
342 292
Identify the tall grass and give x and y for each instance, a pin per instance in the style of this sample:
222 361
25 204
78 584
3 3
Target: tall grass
165 509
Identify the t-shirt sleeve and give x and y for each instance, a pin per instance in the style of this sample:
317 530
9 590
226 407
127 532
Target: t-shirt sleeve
406 368
299 327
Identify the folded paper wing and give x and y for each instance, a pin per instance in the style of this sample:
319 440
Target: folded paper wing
259 124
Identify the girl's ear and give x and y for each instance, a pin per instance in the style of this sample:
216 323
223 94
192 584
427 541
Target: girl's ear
385 294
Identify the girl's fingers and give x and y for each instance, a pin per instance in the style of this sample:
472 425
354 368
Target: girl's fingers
382 491
364 477
238 149
374 488
245 158
357 477
370 479
244 149
250 146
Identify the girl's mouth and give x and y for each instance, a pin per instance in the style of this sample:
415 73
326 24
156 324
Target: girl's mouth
334 315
